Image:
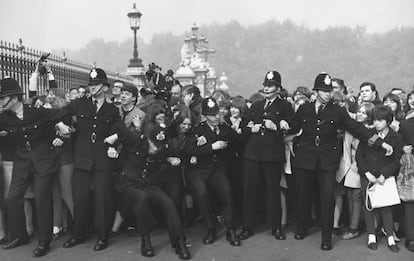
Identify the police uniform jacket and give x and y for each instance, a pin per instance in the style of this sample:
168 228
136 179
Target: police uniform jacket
92 128
33 140
374 159
206 156
267 145
407 131
318 141
142 169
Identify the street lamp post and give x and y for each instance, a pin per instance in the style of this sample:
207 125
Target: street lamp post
135 67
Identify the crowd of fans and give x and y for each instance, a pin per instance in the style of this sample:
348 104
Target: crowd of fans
179 157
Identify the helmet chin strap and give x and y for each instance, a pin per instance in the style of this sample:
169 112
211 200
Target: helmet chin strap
98 90
4 106
321 99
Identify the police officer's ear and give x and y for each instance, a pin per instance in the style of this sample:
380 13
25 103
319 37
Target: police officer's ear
105 88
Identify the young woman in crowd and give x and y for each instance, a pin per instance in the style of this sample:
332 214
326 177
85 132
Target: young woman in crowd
178 135
374 167
349 172
394 103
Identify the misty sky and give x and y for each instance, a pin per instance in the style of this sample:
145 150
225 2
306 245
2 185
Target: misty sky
53 24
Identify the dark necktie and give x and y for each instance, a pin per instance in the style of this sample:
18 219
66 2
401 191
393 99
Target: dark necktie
95 105
268 104
217 130
320 108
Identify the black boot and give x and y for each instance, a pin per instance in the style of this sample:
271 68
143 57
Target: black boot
146 247
232 237
245 233
41 249
211 237
12 243
181 249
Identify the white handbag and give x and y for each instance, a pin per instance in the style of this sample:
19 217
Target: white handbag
385 195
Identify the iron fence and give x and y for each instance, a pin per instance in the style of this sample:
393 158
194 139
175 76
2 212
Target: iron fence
19 62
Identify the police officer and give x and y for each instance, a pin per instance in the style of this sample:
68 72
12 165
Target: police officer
139 182
206 174
34 159
264 155
98 123
317 154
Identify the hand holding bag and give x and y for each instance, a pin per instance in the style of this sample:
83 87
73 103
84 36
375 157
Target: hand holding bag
379 196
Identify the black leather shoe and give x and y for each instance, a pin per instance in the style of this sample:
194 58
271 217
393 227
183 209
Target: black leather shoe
71 242
146 247
232 237
210 238
245 233
100 245
15 243
409 244
394 248
41 250
373 246
278 233
301 235
326 245
4 240
181 249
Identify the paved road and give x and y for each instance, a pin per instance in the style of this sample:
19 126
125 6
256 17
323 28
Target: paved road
260 247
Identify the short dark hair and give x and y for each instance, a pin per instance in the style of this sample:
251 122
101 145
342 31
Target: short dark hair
382 112
192 89
373 88
370 84
118 81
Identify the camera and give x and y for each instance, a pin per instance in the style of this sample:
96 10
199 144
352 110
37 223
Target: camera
42 68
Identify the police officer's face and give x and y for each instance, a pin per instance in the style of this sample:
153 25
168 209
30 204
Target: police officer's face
269 92
97 89
367 95
213 120
7 102
127 98
323 97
